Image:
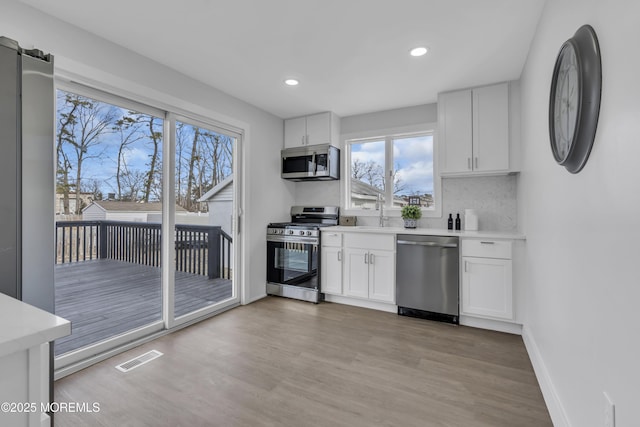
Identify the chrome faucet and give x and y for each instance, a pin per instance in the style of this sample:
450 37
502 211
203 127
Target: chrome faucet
380 207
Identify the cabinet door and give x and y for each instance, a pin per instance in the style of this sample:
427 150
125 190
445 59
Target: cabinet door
295 131
356 272
319 129
491 128
382 276
455 131
487 287
331 270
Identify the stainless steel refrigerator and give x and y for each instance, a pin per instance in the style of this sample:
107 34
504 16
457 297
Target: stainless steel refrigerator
27 177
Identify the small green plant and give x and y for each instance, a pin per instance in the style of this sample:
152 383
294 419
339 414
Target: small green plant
411 212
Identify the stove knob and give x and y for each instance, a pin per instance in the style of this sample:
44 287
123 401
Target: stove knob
290 231
281 231
301 233
308 233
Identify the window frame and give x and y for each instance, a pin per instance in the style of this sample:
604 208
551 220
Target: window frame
388 135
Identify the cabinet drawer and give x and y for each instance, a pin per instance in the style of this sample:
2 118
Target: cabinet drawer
330 238
486 248
383 242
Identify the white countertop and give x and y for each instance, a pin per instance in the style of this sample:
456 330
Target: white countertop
513 235
23 326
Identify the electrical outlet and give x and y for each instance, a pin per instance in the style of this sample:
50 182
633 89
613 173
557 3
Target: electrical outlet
609 411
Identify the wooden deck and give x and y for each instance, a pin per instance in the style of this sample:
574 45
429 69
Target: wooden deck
105 298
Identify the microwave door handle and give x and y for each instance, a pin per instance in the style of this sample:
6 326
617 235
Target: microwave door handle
313 163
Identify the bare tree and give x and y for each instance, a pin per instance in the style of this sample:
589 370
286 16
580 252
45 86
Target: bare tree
155 138
127 128
91 120
181 142
369 172
133 183
66 121
372 173
192 165
92 186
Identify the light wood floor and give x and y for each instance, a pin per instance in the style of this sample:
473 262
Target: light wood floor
280 362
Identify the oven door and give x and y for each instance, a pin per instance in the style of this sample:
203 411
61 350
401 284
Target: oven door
292 262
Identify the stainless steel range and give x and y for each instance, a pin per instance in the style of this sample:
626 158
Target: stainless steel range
293 248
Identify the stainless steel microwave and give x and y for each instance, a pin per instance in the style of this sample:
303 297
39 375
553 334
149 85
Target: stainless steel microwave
311 163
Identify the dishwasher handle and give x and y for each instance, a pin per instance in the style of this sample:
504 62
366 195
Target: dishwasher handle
431 244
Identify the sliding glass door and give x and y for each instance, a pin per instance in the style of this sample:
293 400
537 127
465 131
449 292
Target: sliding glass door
145 220
108 210
204 218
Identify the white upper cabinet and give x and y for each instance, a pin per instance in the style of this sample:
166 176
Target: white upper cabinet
473 129
295 132
322 128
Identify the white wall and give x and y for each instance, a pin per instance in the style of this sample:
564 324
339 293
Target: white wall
582 326
95 59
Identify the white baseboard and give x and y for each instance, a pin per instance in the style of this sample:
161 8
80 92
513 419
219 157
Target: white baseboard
494 325
390 308
254 299
551 398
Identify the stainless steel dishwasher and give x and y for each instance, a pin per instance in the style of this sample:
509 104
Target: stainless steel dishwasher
427 276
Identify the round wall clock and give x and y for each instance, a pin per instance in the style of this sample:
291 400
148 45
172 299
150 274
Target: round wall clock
574 103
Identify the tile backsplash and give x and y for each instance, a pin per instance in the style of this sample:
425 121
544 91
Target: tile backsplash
494 199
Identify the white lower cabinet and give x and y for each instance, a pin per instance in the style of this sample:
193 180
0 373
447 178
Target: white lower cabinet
331 270
382 276
356 273
487 284
370 274
363 267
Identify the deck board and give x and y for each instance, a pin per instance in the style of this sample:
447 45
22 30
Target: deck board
105 298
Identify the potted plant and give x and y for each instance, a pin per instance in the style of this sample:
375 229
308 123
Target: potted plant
411 214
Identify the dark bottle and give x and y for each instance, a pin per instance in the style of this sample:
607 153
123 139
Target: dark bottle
458 221
450 222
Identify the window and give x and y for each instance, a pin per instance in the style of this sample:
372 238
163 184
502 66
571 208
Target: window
391 169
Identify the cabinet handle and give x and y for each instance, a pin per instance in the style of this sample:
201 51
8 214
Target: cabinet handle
303 139
366 258
339 255
371 258
469 163
465 266
487 243
476 161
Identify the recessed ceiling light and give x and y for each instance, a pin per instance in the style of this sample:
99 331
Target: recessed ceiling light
291 82
418 51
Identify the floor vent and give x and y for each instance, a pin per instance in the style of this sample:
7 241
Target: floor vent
138 361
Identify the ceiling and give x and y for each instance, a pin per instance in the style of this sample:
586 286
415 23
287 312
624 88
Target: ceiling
351 56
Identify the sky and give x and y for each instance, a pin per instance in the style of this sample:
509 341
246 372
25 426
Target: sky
100 163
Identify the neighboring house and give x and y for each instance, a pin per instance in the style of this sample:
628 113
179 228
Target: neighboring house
85 200
124 211
220 204
365 196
